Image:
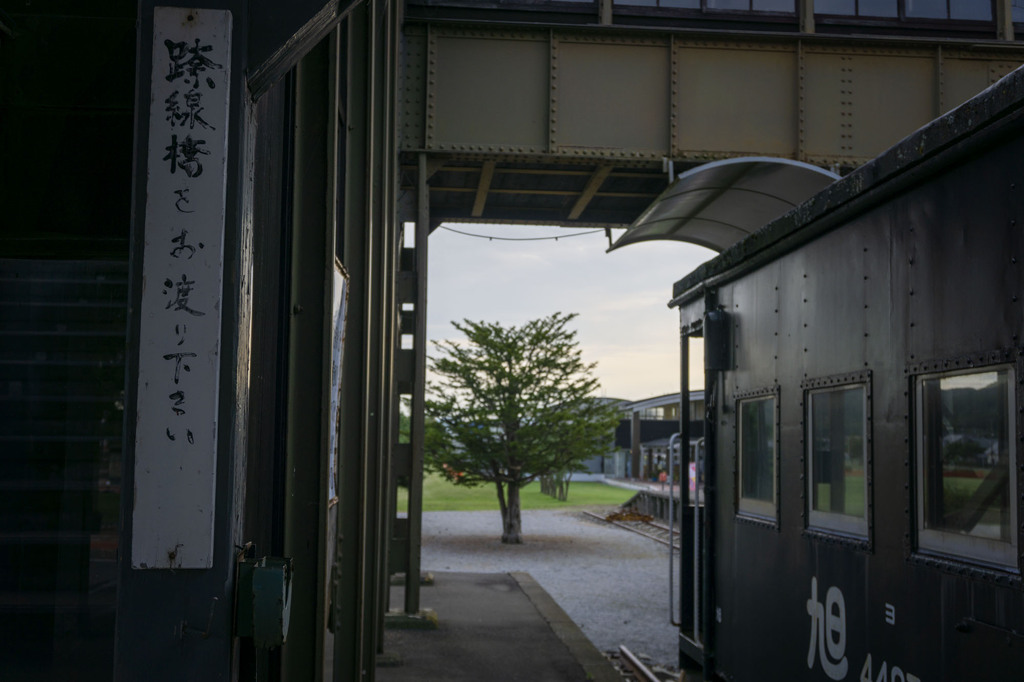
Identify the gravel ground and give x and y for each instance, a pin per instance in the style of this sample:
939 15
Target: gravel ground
611 582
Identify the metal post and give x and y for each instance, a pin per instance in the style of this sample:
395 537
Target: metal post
807 16
684 442
696 541
634 448
383 200
1004 20
309 359
712 386
672 442
352 653
419 390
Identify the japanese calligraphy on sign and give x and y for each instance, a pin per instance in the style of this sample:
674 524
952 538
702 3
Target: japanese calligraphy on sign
183 265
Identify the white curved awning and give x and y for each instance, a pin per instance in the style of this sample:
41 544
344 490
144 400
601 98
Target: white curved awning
719 203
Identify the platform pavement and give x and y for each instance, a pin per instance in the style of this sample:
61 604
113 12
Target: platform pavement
491 626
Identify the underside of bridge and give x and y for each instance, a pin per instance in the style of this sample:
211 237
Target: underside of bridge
570 116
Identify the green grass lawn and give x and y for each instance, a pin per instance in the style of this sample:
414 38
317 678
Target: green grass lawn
440 495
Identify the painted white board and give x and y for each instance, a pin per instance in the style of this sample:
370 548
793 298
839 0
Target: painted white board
182 289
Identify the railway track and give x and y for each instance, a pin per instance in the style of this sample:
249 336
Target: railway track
636 667
642 524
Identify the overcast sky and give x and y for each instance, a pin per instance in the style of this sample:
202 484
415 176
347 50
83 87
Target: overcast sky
624 323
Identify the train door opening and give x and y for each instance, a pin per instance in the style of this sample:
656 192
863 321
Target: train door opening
690 576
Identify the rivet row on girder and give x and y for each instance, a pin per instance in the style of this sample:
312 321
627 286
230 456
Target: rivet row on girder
801 101
449 32
651 167
584 39
553 96
846 105
490 148
866 51
605 152
673 104
431 82
735 45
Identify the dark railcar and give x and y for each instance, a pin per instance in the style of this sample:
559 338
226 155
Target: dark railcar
864 383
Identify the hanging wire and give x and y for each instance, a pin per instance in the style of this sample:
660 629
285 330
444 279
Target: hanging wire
520 239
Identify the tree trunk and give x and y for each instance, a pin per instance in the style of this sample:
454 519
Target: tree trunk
511 523
502 505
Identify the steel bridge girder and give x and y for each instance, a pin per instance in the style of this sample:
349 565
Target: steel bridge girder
575 94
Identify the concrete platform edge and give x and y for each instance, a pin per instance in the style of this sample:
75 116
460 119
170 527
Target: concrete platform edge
594 664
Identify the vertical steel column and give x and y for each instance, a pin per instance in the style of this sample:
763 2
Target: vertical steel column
1004 20
806 10
356 437
309 356
369 254
419 391
634 444
384 168
686 577
713 386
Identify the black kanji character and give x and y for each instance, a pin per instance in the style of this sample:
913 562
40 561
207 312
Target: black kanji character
179 363
186 110
185 155
190 60
182 292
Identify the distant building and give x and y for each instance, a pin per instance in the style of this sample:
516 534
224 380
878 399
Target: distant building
641 440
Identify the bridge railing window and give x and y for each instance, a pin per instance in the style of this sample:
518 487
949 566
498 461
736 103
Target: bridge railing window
961 10
783 6
671 4
957 10
858 8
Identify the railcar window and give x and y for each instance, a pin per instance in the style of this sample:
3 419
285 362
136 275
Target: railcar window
837 459
757 456
966 465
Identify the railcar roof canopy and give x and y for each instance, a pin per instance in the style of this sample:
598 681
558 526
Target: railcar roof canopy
719 203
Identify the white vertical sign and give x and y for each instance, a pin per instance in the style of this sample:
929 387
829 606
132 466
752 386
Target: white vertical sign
182 278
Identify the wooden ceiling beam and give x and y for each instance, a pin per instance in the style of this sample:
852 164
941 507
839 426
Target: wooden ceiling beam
593 184
482 188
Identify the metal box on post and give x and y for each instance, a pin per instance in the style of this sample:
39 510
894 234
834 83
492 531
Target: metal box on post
263 600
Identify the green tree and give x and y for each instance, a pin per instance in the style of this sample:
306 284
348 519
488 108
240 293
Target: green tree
511 404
